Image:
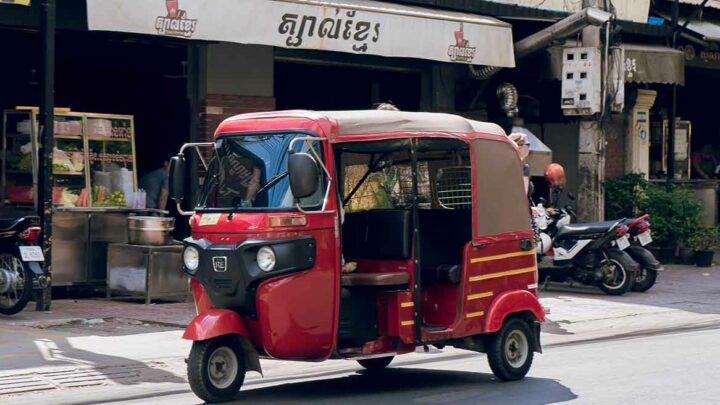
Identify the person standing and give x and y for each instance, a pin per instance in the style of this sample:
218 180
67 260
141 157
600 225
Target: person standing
155 184
704 162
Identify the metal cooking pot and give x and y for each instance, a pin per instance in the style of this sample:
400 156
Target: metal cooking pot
150 230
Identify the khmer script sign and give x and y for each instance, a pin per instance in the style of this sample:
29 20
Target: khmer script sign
353 26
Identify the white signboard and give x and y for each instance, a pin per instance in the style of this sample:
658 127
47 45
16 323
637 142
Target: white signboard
354 26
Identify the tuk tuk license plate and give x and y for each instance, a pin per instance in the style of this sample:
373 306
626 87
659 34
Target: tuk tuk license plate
645 238
31 254
622 242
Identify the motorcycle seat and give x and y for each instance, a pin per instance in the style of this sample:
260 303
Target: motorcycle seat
7 224
584 229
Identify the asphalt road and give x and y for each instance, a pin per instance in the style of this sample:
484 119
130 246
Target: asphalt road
663 369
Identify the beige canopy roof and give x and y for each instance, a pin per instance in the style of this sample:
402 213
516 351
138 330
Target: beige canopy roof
378 121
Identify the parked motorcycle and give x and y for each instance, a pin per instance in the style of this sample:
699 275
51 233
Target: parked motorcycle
21 262
639 234
590 253
587 253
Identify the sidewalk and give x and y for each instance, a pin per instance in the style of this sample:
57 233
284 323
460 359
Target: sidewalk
87 343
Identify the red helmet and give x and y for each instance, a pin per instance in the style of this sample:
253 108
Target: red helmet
555 174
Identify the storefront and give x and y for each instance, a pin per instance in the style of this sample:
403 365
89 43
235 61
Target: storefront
123 108
137 79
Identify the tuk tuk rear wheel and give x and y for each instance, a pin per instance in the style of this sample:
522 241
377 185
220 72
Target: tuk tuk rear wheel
510 352
216 369
376 364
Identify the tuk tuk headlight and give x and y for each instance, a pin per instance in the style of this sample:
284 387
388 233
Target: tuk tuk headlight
191 259
266 258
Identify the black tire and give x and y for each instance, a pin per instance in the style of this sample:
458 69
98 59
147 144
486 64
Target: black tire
514 339
623 276
644 280
199 374
376 364
13 302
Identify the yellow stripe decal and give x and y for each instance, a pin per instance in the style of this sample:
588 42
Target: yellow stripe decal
503 274
499 257
480 295
407 304
407 323
474 314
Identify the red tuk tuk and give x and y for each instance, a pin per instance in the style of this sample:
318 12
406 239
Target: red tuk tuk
429 208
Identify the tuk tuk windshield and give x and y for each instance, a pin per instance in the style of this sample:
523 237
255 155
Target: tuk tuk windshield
250 172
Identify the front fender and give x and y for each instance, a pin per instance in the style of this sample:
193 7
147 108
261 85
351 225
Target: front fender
215 322
511 302
644 257
218 322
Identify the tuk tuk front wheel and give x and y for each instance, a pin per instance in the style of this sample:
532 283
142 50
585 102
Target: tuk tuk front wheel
510 351
216 369
376 364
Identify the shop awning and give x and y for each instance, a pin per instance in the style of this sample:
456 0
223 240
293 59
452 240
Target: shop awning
706 30
642 63
353 26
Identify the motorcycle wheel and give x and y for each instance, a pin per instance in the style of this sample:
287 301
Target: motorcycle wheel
644 280
18 295
216 369
619 269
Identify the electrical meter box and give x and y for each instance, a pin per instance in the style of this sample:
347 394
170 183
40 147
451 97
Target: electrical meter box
581 81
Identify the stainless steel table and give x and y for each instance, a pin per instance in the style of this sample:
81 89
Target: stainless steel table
80 242
146 271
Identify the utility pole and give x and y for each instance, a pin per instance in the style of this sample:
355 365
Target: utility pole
673 106
46 118
591 145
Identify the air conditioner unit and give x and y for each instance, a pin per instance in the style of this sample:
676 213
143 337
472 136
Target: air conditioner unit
581 81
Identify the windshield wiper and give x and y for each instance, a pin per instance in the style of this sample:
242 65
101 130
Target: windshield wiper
272 182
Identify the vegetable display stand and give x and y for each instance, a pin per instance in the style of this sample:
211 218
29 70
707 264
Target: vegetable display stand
93 159
94 184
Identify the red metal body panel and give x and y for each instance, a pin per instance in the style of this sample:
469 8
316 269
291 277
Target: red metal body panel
202 300
489 270
509 302
215 322
395 312
298 314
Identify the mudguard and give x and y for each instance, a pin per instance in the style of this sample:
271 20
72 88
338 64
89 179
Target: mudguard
215 322
36 268
512 302
218 322
645 258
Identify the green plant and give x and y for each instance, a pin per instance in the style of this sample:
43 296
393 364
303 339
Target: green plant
704 239
674 214
623 195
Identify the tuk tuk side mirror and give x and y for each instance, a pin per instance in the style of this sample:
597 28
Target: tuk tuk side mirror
176 181
303 173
